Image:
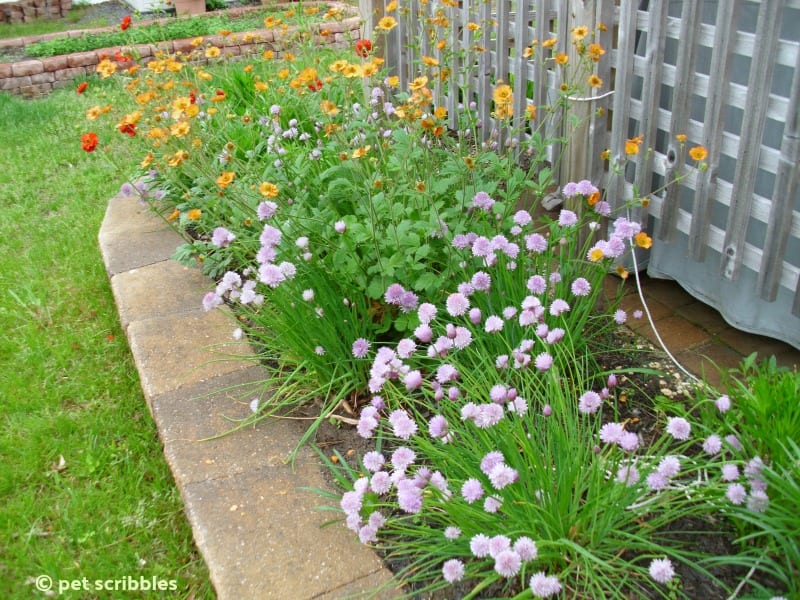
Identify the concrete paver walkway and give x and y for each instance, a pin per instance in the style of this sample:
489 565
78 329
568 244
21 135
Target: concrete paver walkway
253 520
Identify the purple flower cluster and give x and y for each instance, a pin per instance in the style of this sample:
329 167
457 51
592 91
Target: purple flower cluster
508 557
397 295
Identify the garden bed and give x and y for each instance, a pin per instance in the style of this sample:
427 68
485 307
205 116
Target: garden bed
32 77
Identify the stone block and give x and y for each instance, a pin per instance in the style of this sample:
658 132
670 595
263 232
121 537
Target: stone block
27 67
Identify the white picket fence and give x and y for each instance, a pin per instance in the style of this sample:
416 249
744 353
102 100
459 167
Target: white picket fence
725 73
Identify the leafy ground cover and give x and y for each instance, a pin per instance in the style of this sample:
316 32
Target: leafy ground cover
386 256
84 487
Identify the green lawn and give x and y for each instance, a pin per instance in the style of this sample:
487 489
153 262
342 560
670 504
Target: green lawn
84 488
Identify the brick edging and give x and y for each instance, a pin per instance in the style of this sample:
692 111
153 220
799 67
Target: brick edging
36 77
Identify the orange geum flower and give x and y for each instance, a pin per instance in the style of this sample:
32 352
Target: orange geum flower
549 43
387 23
473 26
177 158
392 6
261 86
441 44
393 81
595 81
562 58
632 145
198 41
147 160
698 153
174 215
440 112
194 214
361 152
157 133
225 179
268 190
596 51
430 61
527 52
329 108
106 68
212 52
643 240
89 141
530 112
681 137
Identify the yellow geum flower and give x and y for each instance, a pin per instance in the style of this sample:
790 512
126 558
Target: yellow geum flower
578 33
387 23
681 137
329 108
596 51
177 158
179 129
530 112
503 94
643 240
430 61
212 52
225 179
595 81
418 83
392 6
562 58
194 214
549 43
361 152
393 81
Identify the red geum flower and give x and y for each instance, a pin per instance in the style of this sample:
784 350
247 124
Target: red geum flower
128 129
315 85
193 96
363 48
82 87
126 22
89 141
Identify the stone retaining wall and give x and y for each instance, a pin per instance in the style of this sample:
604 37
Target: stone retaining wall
36 77
23 11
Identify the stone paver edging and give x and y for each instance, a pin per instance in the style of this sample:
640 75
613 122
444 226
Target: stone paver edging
253 522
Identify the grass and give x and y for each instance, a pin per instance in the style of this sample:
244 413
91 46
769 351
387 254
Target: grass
84 488
42 25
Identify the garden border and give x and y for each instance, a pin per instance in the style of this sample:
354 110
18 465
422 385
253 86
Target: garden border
36 77
251 512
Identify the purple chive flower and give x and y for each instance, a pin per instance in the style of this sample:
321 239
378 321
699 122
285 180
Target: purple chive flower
679 428
611 433
712 445
457 304
723 403
502 475
381 482
426 312
522 218
657 481
661 570
543 361
585 188
481 281
629 441
408 301
736 493
403 425
406 347
402 458
544 586
498 393
463 338
733 442
567 218
489 415
222 238
492 504
620 316
536 243
340 227
498 544
270 275
409 496
483 201
413 380
472 491
537 284
423 333
394 293
526 548
507 563
581 287
479 545
373 461
266 210
589 402
446 373
628 474
730 472
360 348
452 533
491 460
558 307
669 466
438 427
270 236
211 300
493 324
757 501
